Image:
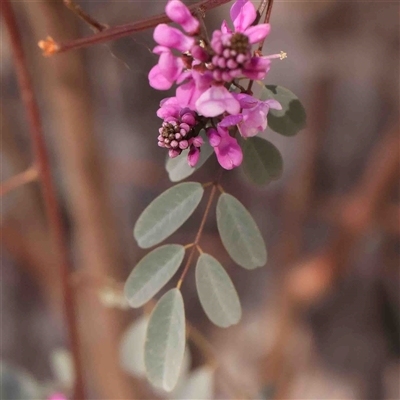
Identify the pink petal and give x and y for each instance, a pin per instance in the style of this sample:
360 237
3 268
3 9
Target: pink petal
193 156
180 14
213 137
225 28
215 101
172 38
157 80
236 7
274 104
246 101
245 18
228 152
258 32
231 120
198 141
170 66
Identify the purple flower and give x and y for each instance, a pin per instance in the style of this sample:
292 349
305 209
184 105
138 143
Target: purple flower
180 14
232 50
227 149
254 114
176 132
194 152
216 101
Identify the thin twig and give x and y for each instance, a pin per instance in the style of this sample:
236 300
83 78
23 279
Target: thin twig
84 16
198 236
30 175
50 47
48 190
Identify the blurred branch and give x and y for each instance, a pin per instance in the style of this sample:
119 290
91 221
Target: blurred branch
47 187
77 10
30 175
50 47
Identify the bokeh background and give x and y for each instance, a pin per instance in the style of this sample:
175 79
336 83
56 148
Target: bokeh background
321 320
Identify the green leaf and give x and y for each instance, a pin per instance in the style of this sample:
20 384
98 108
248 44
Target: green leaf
217 294
239 233
152 272
178 168
292 118
164 215
165 341
262 161
132 347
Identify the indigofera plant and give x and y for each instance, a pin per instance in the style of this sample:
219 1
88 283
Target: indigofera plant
211 112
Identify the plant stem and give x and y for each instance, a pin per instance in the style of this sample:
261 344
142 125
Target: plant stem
121 31
48 190
198 236
77 10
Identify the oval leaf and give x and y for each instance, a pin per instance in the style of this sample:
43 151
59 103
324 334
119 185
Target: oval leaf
239 233
178 168
262 161
165 341
217 294
292 118
152 273
164 215
132 347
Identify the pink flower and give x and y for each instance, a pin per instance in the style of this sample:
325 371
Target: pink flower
227 149
180 14
254 114
232 50
194 152
216 101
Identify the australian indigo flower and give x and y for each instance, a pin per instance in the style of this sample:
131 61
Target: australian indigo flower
204 71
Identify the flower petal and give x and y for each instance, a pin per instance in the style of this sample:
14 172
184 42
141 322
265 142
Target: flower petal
245 18
193 156
245 100
172 38
228 152
215 101
231 120
157 80
213 137
236 7
170 66
274 104
258 32
225 28
179 13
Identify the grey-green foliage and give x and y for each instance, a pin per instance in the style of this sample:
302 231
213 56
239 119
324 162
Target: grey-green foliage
164 215
217 294
132 347
152 272
262 161
239 233
292 118
178 168
165 341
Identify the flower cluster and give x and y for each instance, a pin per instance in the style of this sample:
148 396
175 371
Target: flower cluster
204 70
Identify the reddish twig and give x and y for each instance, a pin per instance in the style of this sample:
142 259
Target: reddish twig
198 235
84 16
50 47
30 175
47 187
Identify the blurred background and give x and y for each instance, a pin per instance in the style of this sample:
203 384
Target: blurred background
322 319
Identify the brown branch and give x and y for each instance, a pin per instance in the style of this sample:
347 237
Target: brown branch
29 175
50 47
47 187
198 235
77 10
